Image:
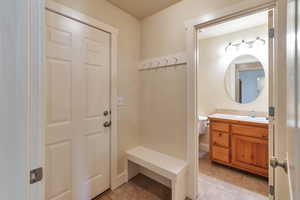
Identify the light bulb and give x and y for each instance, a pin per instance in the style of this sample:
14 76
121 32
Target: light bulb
259 42
230 48
243 46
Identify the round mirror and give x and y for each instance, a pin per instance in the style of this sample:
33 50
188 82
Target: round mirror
244 79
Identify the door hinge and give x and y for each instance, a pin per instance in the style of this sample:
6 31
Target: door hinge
272 111
271 190
36 175
271 33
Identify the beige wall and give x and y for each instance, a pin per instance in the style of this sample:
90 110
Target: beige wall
128 58
163 110
213 64
163 103
164 32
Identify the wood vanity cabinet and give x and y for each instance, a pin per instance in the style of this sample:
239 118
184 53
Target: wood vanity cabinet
240 144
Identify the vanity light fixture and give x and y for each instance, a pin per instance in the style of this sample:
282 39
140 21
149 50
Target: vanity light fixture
244 43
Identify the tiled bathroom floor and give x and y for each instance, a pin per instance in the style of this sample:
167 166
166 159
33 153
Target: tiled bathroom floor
215 189
232 176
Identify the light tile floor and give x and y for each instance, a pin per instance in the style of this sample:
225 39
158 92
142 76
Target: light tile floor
232 176
216 182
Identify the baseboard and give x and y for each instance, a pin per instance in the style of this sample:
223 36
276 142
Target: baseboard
118 181
204 147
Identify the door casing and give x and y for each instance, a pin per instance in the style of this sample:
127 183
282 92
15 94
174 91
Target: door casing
241 9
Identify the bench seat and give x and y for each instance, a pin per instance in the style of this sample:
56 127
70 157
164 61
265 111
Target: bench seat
164 165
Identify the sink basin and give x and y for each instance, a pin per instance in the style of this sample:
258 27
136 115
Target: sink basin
240 118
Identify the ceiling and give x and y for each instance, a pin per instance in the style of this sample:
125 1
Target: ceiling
234 25
143 8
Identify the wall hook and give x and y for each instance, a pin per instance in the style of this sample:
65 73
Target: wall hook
176 60
167 61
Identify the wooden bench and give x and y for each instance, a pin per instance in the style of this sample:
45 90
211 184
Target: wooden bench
161 164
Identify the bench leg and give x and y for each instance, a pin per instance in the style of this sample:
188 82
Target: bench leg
179 187
126 170
131 170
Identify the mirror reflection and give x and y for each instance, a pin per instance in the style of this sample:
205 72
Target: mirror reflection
244 79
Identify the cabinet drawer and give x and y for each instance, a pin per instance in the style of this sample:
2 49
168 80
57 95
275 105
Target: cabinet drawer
220 154
219 126
220 139
250 131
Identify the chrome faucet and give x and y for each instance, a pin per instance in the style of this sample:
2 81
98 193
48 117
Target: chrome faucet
252 114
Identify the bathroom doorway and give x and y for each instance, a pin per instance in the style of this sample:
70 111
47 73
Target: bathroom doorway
234 93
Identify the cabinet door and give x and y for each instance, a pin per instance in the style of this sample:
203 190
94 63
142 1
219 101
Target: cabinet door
250 153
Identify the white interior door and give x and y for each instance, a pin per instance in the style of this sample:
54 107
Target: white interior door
77 79
293 99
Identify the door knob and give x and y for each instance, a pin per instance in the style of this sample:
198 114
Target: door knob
105 113
274 162
107 124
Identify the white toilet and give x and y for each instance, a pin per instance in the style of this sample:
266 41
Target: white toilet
202 122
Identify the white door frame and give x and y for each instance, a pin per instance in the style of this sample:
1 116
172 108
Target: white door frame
230 12
35 90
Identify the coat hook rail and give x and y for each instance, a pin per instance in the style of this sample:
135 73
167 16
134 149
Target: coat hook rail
165 61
